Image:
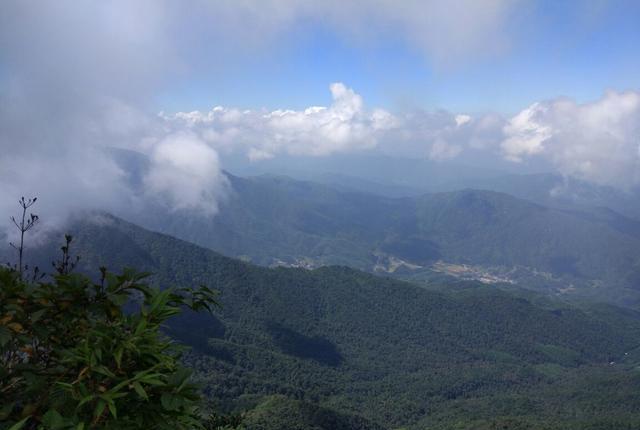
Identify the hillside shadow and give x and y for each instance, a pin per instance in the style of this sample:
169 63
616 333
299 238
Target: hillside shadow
564 265
195 329
413 249
299 345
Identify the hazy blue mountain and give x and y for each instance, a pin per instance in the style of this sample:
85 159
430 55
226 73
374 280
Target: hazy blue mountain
405 177
397 173
567 242
565 192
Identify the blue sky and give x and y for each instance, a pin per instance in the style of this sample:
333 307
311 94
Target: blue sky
554 48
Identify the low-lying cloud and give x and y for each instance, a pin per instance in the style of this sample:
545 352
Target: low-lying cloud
75 81
186 172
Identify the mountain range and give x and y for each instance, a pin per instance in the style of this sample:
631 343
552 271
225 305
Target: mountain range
471 234
345 308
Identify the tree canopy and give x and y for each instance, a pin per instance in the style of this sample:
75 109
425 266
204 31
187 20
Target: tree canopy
78 354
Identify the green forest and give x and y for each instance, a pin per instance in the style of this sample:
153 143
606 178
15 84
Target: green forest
276 220
338 348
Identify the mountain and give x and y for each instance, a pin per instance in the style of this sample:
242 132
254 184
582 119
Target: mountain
475 234
280 412
395 175
348 347
407 177
565 192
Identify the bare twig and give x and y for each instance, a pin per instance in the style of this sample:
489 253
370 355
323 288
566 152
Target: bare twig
25 224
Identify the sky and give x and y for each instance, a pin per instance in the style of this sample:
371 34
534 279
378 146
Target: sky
499 82
538 50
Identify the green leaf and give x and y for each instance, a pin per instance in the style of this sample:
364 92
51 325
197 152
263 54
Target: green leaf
5 336
112 408
52 419
141 392
5 410
85 400
104 371
170 401
118 356
141 326
65 385
98 352
35 317
19 424
152 380
99 410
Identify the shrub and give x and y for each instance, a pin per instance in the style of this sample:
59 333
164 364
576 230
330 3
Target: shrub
79 354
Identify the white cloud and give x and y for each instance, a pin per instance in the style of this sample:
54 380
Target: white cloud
597 141
75 81
185 171
347 125
462 119
343 126
442 150
445 32
526 133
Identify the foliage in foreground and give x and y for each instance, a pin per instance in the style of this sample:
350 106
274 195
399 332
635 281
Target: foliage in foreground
75 354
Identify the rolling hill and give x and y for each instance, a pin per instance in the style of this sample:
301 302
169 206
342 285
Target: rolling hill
274 220
402 177
338 345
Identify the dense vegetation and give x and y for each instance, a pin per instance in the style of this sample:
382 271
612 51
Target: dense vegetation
75 354
338 344
275 220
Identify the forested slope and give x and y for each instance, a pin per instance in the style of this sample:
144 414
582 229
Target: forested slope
279 221
390 352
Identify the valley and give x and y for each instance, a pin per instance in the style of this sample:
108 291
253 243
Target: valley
278 221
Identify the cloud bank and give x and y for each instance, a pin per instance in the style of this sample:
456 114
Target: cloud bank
597 141
343 126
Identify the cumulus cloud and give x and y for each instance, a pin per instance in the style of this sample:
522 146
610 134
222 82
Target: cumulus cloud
347 125
597 141
343 126
186 172
525 133
442 135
